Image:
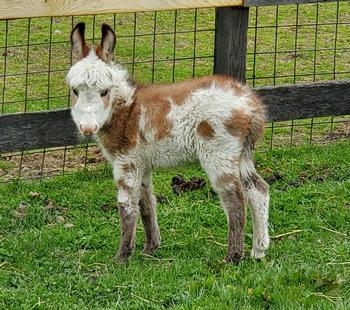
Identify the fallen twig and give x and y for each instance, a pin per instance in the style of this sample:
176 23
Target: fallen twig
329 298
156 258
281 236
143 299
216 242
172 244
333 231
339 263
39 303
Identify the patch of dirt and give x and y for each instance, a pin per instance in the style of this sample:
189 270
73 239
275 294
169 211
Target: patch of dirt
49 163
341 132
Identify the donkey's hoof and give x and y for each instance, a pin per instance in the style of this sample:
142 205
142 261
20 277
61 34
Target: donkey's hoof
233 259
148 251
257 254
121 258
150 248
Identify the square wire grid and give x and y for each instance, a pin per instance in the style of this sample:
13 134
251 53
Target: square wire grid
300 44
156 47
286 45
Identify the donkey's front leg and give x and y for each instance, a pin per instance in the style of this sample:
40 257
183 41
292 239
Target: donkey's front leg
128 203
128 218
149 215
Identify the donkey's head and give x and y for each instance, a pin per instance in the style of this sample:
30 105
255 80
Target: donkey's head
95 81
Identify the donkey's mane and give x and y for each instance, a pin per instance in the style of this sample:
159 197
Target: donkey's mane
91 70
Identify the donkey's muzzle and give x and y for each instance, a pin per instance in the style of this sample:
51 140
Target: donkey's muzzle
88 130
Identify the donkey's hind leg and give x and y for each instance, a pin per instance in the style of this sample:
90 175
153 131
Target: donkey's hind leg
232 200
257 192
225 180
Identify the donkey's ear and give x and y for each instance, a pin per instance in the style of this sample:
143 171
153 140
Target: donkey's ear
106 50
77 37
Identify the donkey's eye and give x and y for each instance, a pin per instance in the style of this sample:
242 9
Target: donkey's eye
104 93
75 92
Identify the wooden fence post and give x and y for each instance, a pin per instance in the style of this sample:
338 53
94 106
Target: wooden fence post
231 41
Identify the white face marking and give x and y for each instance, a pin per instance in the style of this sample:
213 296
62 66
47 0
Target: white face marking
91 81
95 86
91 107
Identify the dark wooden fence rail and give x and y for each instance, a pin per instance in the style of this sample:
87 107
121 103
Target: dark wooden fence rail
56 128
25 131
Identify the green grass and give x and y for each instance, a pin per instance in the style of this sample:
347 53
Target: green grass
47 265
56 249
43 56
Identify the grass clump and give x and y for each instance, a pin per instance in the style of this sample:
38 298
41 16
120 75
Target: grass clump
58 238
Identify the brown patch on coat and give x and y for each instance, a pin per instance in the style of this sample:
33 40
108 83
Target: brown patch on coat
205 130
259 183
238 124
121 184
127 168
177 93
122 132
258 117
243 125
156 107
156 118
226 179
157 100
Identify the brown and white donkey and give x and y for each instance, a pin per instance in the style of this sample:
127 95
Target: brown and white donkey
213 120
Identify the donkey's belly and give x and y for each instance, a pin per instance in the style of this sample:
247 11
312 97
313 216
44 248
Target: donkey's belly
171 155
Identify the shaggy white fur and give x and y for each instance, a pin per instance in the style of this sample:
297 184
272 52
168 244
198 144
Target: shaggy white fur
232 117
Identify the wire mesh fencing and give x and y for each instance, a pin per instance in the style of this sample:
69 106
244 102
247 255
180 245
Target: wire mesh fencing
300 44
286 45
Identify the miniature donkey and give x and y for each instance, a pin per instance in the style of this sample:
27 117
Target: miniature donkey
214 120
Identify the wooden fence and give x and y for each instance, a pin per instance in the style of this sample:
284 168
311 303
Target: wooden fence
25 131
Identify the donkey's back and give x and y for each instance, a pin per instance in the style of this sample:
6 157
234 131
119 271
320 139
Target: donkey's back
184 121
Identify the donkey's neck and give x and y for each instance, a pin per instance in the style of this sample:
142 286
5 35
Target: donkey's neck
123 86
120 133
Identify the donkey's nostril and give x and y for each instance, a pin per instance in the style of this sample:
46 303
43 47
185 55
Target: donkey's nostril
88 130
